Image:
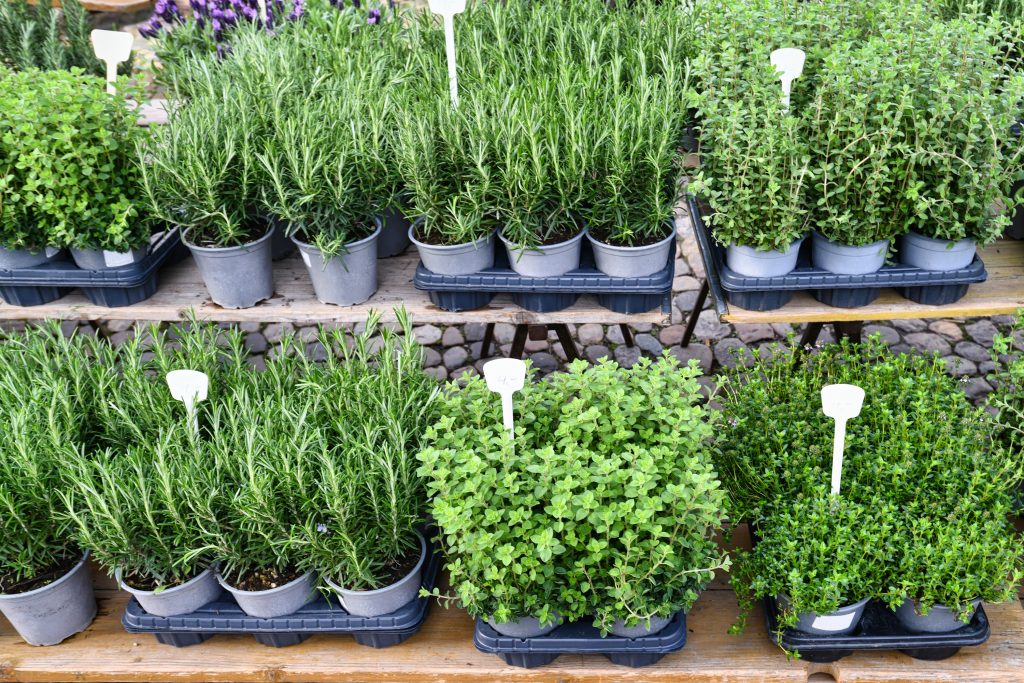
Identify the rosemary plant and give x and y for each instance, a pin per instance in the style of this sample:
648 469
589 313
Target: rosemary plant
38 36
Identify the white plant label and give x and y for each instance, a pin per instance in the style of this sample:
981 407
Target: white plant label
448 9
112 48
833 622
841 402
305 259
51 252
113 259
505 376
263 10
190 387
789 62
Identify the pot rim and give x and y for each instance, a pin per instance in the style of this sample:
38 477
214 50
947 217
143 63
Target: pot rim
540 248
671 236
36 591
798 242
965 243
843 609
195 247
378 591
818 236
269 591
360 242
181 586
477 243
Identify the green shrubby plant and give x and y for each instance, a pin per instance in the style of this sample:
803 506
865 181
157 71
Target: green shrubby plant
603 505
49 118
1008 377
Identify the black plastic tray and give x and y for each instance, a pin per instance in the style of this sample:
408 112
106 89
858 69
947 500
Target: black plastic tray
921 286
878 630
581 638
549 294
324 615
112 287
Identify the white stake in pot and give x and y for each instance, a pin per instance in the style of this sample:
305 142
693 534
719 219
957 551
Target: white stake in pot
505 376
112 48
190 387
789 62
841 402
448 9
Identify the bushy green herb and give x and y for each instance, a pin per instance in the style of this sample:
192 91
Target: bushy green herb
49 118
37 36
604 504
1008 378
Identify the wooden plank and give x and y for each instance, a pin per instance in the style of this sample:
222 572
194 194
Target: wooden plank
181 289
443 652
109 5
1002 293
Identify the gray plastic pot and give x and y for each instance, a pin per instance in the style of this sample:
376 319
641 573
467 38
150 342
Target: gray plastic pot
12 259
347 278
549 260
633 261
934 254
846 260
756 263
181 599
100 259
940 619
841 622
620 629
526 627
394 238
374 603
56 611
455 259
236 277
275 602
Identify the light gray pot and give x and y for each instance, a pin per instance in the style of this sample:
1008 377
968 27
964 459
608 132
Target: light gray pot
394 238
526 627
934 254
276 602
548 260
12 259
181 599
100 259
385 600
56 611
633 261
348 278
456 259
841 622
846 260
236 277
756 263
620 629
940 619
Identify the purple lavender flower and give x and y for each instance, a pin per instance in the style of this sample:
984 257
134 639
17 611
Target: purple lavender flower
296 11
374 17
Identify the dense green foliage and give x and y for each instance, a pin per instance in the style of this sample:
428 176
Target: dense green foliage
68 174
603 505
37 36
922 466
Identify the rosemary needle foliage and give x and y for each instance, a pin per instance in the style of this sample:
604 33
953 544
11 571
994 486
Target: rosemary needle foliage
38 36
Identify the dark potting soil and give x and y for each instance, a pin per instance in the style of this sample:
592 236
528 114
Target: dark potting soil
148 583
564 234
265 579
396 570
359 232
9 586
254 230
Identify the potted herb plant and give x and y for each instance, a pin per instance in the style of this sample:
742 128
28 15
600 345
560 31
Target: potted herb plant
39 36
947 566
526 558
755 169
201 173
93 205
136 509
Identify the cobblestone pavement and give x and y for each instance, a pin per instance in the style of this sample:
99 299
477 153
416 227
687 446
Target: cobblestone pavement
453 350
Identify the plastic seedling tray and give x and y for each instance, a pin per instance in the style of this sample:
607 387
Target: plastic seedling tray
878 630
324 615
581 638
113 287
548 294
929 287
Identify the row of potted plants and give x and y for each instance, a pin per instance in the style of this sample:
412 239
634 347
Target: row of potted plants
286 481
897 130
921 520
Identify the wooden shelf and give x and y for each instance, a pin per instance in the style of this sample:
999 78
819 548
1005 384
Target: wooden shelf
182 289
1002 293
443 652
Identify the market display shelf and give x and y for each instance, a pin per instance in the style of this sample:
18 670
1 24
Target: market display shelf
443 651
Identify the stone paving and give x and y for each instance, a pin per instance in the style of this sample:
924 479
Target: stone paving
453 350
